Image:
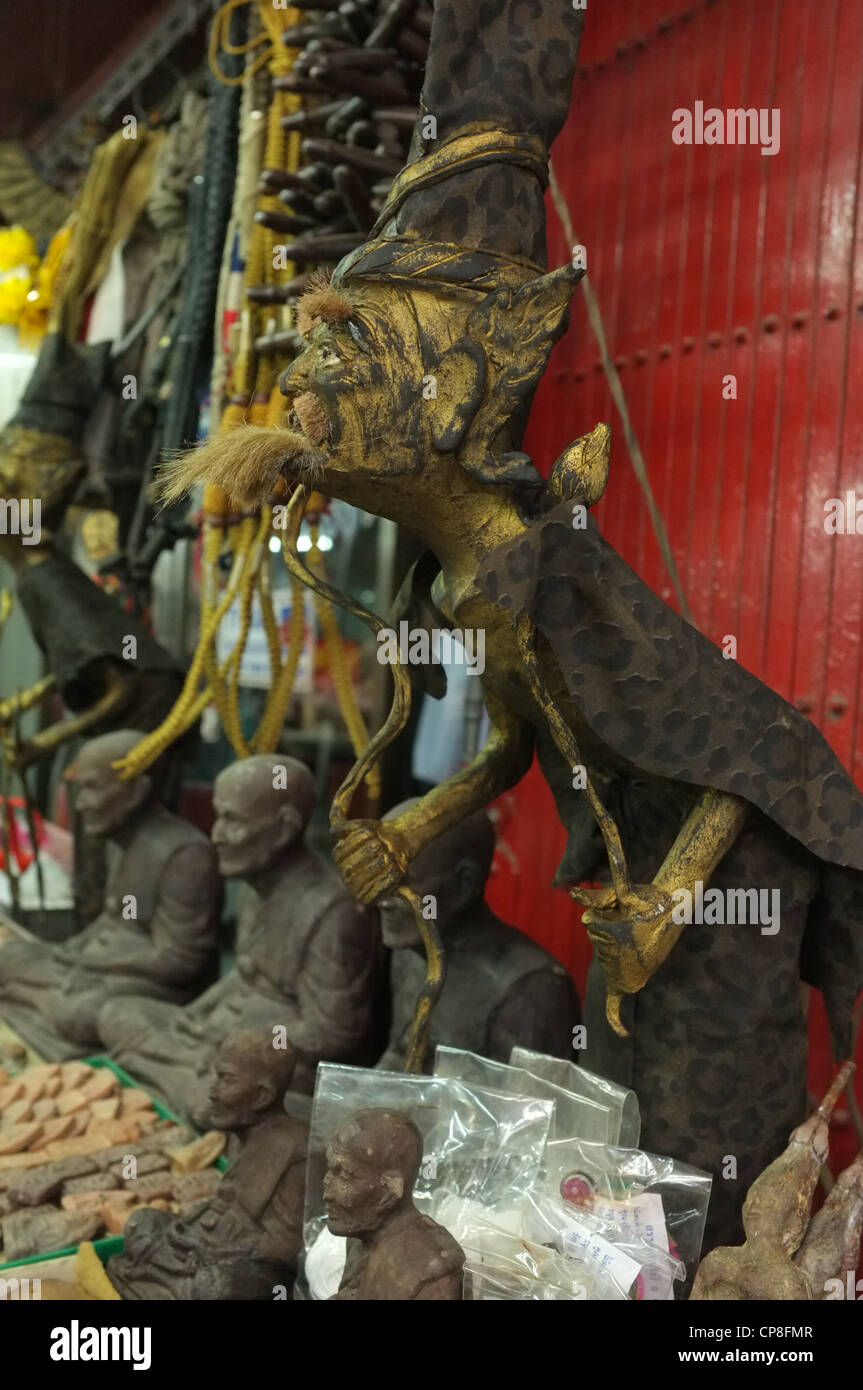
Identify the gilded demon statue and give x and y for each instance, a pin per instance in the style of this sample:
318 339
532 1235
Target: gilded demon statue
671 766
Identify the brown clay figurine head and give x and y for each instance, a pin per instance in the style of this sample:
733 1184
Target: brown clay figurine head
372 1164
262 804
250 1078
104 803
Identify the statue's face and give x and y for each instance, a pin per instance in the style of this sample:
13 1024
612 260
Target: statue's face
358 392
399 930
249 831
435 874
232 1092
355 1195
103 802
359 396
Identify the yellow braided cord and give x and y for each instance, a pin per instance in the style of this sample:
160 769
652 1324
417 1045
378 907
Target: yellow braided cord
220 43
276 408
248 546
145 753
247 593
214 538
241 543
178 720
265 596
347 697
260 406
279 698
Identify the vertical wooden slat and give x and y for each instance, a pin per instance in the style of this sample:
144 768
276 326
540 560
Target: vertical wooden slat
813 57
842 435
836 232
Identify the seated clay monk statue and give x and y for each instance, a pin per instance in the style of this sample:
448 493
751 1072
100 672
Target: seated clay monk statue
307 953
242 1243
501 988
372 1164
156 933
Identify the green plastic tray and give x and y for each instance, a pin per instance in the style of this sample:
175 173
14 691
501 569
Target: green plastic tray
107 1245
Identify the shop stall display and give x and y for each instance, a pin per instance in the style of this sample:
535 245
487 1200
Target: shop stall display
686 760
293 1053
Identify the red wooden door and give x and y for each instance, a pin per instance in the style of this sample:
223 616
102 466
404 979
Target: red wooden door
710 262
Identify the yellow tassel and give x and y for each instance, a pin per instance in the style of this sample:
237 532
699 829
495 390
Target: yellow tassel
347 696
279 698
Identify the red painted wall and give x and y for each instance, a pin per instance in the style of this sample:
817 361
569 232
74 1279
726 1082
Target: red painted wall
707 261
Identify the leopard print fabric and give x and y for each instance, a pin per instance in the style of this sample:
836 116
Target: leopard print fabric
508 66
717 1044
662 696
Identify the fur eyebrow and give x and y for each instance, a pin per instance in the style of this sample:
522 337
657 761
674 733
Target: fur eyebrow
320 303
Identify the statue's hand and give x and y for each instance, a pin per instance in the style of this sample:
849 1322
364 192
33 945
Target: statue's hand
631 939
372 859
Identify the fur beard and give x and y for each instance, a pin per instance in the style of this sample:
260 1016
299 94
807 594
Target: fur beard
245 462
312 417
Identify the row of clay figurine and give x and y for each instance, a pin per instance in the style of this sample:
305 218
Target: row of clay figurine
309 957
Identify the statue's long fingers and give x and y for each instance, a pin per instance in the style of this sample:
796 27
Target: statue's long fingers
354 858
363 879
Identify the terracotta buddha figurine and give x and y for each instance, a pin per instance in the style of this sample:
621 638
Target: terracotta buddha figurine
396 1253
243 1242
307 952
156 933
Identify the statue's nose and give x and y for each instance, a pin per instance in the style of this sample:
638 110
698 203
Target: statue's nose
294 378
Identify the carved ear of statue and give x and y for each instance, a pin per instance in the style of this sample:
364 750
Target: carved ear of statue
458 384
291 823
468 882
140 790
523 325
266 1093
393 1186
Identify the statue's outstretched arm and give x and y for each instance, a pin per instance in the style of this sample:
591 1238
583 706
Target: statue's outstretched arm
373 856
632 938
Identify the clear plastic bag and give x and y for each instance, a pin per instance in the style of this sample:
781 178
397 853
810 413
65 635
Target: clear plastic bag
482 1152
518 1269
561 1254
626 1126
574 1113
658 1198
